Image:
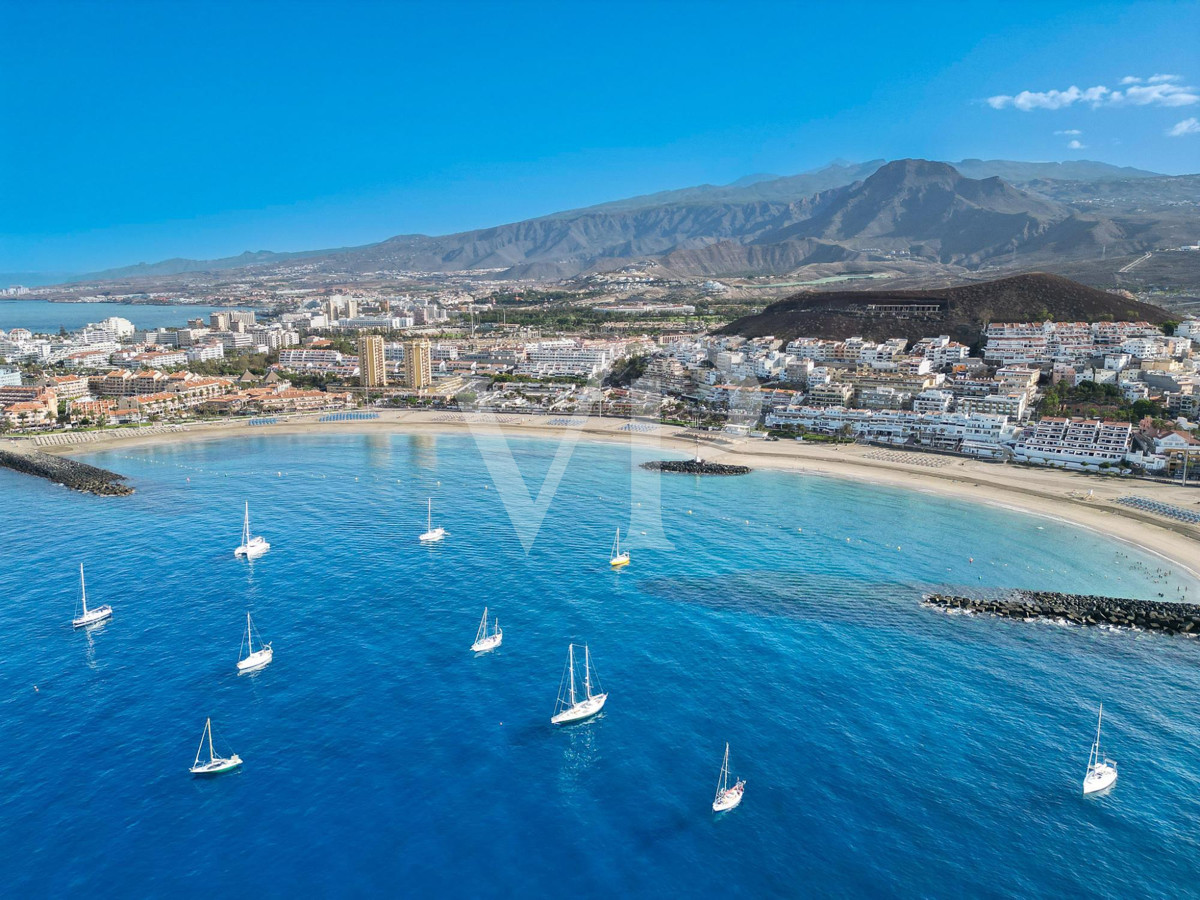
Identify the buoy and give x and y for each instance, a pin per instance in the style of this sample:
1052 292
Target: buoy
689 512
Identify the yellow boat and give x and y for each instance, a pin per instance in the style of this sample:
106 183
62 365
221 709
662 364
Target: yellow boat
618 559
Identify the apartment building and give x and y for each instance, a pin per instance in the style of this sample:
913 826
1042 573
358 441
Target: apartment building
1073 440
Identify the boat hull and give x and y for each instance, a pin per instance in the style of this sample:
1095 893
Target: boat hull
259 659
728 799
618 562
1100 778
432 537
217 766
253 550
93 617
488 643
581 711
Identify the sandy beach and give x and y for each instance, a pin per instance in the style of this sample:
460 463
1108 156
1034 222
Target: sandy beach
1085 500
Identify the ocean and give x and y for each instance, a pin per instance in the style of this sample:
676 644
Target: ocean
889 749
44 317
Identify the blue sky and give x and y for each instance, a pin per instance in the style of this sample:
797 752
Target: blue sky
141 131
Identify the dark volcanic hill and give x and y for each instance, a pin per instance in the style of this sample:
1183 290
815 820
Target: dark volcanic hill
961 312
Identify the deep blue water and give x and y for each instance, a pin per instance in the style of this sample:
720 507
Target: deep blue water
889 750
44 317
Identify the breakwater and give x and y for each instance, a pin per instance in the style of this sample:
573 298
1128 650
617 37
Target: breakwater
68 472
1171 618
694 467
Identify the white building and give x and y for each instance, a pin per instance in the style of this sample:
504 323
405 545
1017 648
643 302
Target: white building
1082 441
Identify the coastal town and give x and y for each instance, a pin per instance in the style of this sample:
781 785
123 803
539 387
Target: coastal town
1115 397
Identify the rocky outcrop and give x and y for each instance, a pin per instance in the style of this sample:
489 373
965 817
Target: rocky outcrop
1172 618
68 472
694 467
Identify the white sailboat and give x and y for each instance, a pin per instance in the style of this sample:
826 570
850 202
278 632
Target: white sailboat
727 797
618 559
432 535
1101 771
569 707
254 659
484 641
89 616
252 547
216 764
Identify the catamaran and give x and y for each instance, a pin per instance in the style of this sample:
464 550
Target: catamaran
251 547
254 659
432 534
216 764
727 797
89 616
484 641
569 707
1101 771
618 559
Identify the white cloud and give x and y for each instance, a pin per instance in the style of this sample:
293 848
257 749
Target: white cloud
1070 132
1075 145
1187 126
1157 90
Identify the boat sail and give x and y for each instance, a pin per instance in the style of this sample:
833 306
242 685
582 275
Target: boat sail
570 708
1101 771
727 797
89 616
432 535
484 641
254 659
216 764
617 558
252 547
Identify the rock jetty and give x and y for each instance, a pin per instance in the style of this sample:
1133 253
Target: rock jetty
68 472
1171 618
694 467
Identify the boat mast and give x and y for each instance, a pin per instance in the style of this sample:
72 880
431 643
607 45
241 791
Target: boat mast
1099 719
571 666
429 518
249 636
246 526
83 589
587 671
725 771
208 728
201 747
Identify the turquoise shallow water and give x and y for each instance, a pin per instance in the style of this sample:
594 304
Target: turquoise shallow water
889 750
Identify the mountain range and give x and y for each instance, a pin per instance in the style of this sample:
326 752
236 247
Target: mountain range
966 215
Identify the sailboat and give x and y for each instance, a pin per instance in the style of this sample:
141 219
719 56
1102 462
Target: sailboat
727 797
618 559
484 641
251 547
569 707
216 764
254 659
89 616
432 535
1101 771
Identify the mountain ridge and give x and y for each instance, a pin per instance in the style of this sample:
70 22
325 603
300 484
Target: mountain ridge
917 209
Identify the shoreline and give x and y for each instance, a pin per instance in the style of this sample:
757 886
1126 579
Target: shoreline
1049 493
